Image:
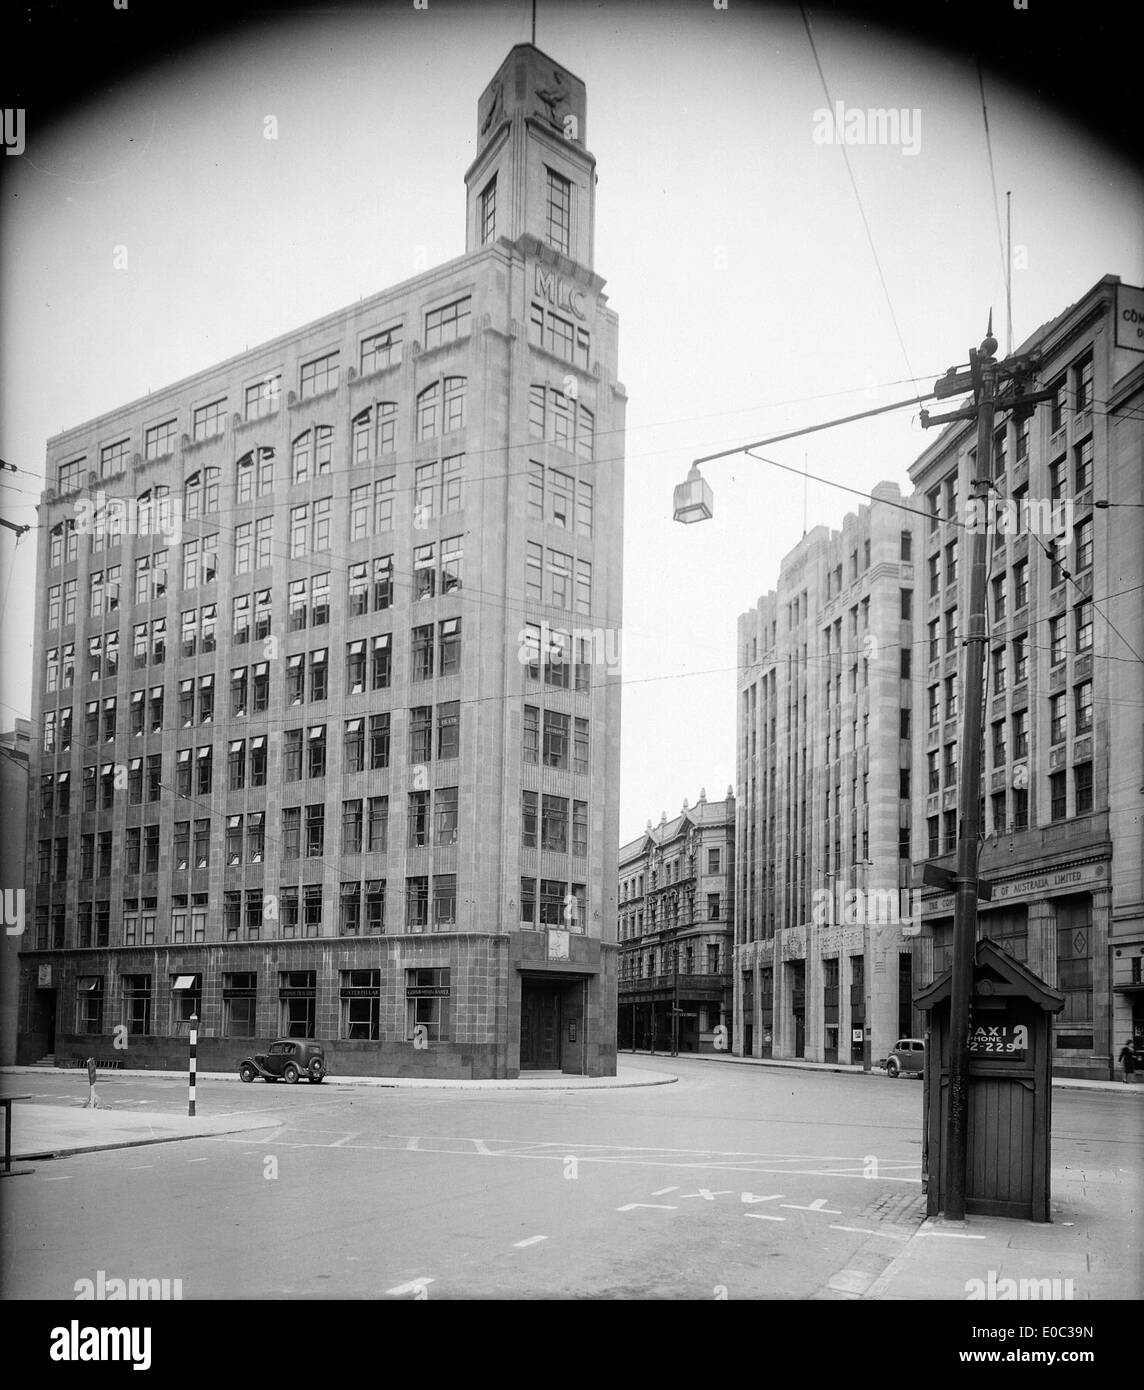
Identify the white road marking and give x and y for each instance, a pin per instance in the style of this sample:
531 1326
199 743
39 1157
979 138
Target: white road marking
750 1197
413 1144
663 1191
481 1147
340 1143
532 1240
707 1194
417 1286
198 1160
762 1216
62 1177
661 1206
135 1168
953 1235
862 1231
819 1204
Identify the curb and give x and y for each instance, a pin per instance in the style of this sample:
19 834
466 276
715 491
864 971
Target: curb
1078 1083
394 1083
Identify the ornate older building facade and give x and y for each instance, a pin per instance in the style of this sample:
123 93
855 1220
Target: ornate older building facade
325 688
676 926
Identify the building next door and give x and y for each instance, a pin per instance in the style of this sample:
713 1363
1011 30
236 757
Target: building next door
540 1040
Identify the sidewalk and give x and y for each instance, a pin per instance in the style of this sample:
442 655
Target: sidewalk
801 1064
55 1131
1090 1250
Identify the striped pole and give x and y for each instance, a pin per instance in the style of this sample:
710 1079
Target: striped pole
194 1050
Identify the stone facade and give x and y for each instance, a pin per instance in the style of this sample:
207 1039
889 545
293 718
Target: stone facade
676 922
364 704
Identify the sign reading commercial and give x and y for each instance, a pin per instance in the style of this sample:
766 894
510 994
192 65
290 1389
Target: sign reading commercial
1130 317
1059 881
427 991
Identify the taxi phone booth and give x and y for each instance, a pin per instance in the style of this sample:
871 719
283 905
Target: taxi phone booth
1010 1088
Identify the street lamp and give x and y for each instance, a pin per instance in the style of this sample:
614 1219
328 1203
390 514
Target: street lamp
693 499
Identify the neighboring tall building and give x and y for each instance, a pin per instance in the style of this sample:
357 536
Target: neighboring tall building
328 720
1063 752
676 923
14 749
850 686
824 768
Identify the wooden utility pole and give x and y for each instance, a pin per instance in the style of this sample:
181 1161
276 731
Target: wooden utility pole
983 376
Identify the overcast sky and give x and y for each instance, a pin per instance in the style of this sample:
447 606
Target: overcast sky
731 241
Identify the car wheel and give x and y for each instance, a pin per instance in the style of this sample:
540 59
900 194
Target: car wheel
290 1073
316 1080
892 1067
246 1072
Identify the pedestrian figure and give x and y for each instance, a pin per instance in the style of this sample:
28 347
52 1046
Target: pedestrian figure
1127 1060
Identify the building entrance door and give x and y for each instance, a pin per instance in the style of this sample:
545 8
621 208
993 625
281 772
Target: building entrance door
539 1027
44 1019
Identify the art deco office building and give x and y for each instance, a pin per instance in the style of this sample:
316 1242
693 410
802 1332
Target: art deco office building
322 688
676 923
824 767
1063 755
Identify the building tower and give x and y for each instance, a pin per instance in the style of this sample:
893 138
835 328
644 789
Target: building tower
326 695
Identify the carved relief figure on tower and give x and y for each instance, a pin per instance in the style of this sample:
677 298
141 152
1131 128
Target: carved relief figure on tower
496 109
552 98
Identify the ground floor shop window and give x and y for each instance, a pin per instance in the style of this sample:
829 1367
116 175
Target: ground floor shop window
239 991
297 999
427 999
361 1004
89 1004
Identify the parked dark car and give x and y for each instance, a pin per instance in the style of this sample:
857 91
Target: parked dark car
286 1059
907 1056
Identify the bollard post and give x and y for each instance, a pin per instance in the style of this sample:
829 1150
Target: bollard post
194 1038
92 1076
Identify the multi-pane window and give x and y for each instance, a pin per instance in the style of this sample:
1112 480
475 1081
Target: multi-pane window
311 454
1082 384
318 375
417 816
254 475
1083 543
263 398
1083 465
1083 705
1058 640
200 493
209 420
315 831
1021 734
377 824
1020 659
310 527
1058 796
352 823
448 323
381 350
374 432
1021 584
159 440
445 816
488 211
379 733
113 458
448 729
1058 718
559 211
422 652
560 336
1083 617
353 746
1000 587
1082 787
70 475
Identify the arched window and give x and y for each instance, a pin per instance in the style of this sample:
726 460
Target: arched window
374 431
441 407
312 453
200 493
254 474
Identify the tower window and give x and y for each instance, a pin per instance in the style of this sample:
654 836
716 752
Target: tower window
489 211
559 212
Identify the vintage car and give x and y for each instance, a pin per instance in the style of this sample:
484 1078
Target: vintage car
286 1059
908 1055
